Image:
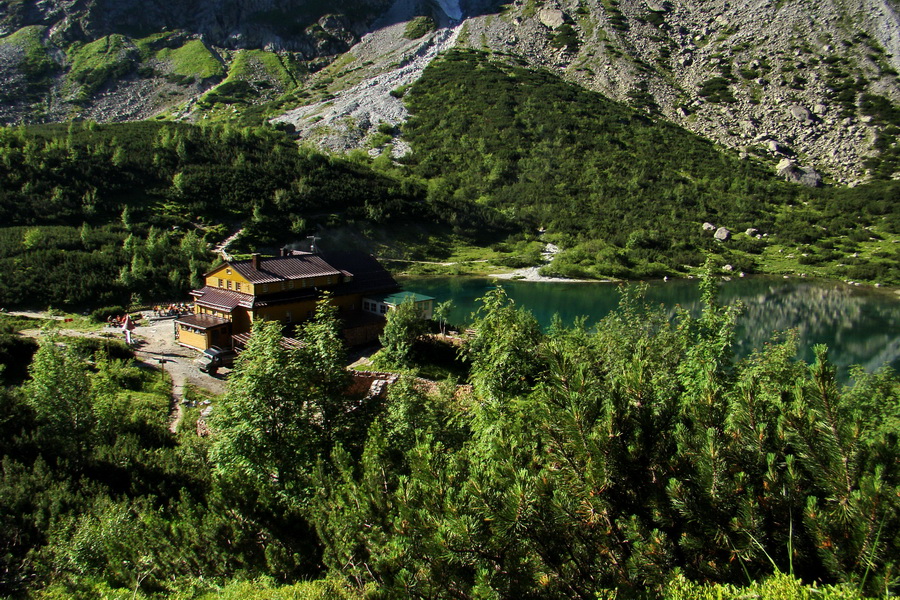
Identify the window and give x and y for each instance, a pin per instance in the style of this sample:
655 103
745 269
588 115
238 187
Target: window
221 283
291 284
265 288
237 286
228 271
229 284
365 306
383 308
288 317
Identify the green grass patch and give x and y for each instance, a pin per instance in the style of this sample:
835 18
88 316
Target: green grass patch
248 62
419 27
36 63
251 75
15 323
192 59
716 91
92 65
566 36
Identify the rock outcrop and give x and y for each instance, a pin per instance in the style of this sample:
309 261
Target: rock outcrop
795 174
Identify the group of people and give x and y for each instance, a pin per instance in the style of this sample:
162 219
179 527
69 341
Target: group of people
172 310
117 320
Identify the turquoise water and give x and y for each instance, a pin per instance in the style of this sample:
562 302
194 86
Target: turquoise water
860 326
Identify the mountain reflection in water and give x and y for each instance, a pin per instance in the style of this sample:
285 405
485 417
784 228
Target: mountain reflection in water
859 326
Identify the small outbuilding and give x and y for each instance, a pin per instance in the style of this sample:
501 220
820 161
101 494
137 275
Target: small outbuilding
382 303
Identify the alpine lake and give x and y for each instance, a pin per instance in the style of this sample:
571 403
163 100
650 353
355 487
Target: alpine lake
860 326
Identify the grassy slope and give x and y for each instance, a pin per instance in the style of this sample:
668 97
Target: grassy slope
193 59
29 39
95 63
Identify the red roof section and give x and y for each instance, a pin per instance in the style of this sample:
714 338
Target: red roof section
220 299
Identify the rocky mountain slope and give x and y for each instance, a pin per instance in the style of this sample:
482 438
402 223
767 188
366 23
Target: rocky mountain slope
811 87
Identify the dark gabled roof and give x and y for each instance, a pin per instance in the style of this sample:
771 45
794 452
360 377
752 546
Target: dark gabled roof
368 274
220 299
273 269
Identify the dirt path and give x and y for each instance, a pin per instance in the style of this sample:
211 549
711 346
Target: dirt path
156 347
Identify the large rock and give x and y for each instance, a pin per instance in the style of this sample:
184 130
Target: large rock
795 174
722 234
552 17
801 113
709 226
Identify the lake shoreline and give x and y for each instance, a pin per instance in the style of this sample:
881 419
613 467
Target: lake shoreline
531 275
859 324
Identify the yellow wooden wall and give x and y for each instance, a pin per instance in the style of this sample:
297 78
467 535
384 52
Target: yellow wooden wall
192 339
225 275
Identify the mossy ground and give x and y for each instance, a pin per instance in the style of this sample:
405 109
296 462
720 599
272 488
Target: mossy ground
92 65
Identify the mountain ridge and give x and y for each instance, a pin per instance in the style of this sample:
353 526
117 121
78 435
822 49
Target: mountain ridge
801 85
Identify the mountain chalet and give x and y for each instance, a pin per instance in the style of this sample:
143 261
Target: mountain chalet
286 288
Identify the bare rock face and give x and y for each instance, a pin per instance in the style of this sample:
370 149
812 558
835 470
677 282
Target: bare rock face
278 24
756 76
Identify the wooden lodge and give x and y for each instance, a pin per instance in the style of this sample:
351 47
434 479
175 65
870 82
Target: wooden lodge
286 288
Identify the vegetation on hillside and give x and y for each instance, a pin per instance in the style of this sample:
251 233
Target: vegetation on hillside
634 459
623 194
95 213
34 61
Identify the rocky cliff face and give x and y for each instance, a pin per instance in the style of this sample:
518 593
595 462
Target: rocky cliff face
293 25
781 79
786 80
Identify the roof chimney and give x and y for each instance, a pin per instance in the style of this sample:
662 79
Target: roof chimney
254 260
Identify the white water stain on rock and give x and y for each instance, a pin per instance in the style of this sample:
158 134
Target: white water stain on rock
451 9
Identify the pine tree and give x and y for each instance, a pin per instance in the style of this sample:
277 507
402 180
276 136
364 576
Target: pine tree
403 327
266 429
60 395
502 352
